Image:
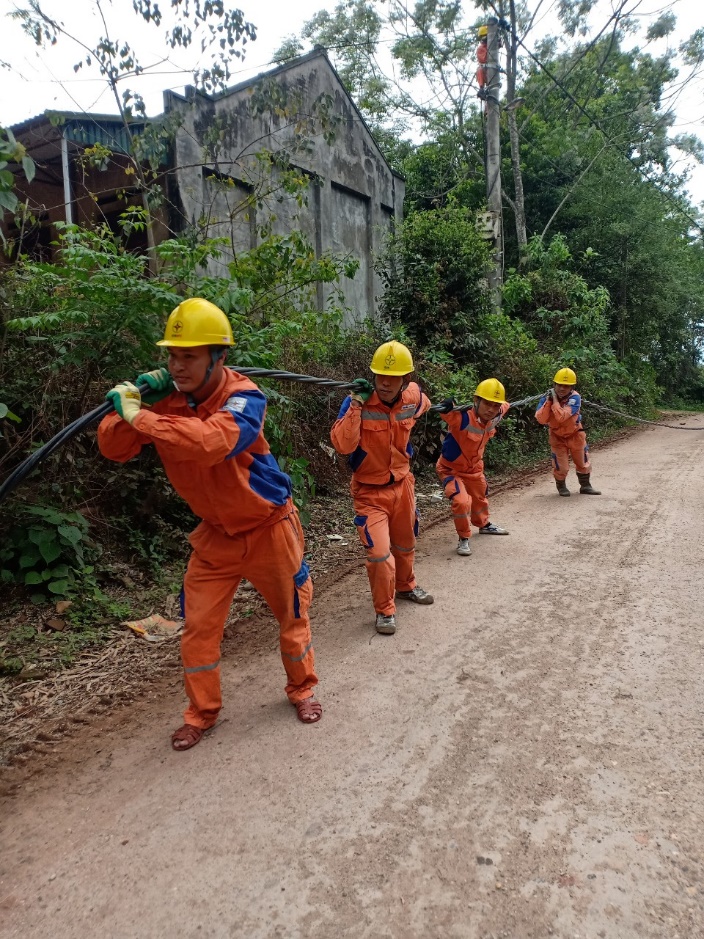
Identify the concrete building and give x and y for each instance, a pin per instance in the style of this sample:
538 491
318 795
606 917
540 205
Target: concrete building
231 164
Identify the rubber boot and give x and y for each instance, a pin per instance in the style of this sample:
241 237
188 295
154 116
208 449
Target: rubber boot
562 487
585 487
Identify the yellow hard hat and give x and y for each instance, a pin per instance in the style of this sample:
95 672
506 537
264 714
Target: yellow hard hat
197 322
492 390
565 376
392 358
483 31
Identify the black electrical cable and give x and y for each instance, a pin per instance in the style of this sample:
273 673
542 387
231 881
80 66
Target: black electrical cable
292 376
640 420
81 423
71 430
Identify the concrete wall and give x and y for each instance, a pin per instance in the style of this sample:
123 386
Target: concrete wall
353 197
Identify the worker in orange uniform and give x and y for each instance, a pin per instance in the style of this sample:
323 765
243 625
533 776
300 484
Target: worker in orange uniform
206 423
559 409
373 428
482 54
461 463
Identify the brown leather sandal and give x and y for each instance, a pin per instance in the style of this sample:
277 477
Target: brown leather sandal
187 736
308 710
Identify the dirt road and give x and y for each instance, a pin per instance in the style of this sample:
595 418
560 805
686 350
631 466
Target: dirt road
523 759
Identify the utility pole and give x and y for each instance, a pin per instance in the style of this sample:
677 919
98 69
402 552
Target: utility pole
493 157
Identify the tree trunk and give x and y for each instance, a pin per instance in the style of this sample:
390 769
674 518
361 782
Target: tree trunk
520 208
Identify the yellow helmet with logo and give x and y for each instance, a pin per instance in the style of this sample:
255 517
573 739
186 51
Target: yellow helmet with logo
392 358
492 390
565 376
197 322
483 31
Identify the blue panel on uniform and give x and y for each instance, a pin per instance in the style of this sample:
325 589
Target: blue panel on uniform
345 407
267 480
303 574
247 408
575 403
357 458
451 449
361 522
409 449
464 421
445 482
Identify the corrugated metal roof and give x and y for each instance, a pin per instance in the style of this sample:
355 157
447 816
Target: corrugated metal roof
88 131
85 129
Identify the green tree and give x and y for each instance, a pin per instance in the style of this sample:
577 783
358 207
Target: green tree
599 168
434 278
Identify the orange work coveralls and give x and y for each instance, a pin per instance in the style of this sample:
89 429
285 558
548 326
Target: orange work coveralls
566 434
461 467
482 55
376 438
218 460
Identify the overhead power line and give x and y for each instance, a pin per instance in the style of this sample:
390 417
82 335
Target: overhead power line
595 123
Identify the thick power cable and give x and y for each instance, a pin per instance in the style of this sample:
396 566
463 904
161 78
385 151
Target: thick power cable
603 407
81 423
639 420
71 430
252 372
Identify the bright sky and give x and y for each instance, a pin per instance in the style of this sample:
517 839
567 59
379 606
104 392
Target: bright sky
36 80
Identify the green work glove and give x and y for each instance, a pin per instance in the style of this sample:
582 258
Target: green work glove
126 400
160 383
363 391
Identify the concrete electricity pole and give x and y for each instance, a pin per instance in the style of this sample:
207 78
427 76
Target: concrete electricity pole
493 157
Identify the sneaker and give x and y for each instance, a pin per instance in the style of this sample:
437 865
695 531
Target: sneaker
417 595
463 548
386 625
491 529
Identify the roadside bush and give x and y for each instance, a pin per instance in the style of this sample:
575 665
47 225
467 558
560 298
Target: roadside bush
72 329
433 275
49 552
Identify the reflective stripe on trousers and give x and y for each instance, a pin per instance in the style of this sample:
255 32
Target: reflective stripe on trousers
385 518
271 558
468 501
564 447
